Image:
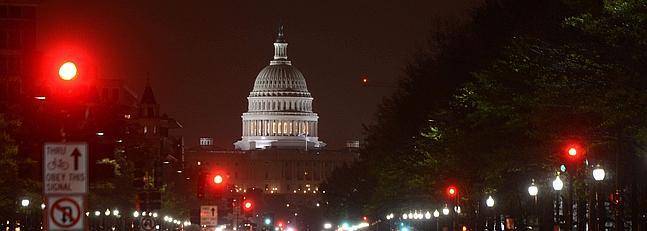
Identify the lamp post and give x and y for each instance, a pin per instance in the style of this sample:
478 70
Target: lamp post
598 211
558 185
533 191
489 202
25 206
436 215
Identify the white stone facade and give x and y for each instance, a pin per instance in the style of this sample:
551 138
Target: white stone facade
279 112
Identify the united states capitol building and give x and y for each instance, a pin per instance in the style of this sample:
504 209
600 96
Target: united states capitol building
279 107
279 155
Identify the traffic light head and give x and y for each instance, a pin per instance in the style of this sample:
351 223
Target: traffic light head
573 151
248 205
67 71
218 179
452 191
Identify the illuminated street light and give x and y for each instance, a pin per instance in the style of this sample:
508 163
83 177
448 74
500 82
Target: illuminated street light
115 212
67 71
327 226
598 173
24 202
107 212
97 213
135 214
533 190
427 215
436 213
445 210
489 202
558 184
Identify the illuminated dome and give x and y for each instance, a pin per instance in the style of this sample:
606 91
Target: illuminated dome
279 112
279 78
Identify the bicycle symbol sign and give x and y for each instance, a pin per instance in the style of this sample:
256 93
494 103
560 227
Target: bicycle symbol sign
65 213
57 164
65 168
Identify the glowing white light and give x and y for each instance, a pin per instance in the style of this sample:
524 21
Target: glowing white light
445 211
327 226
24 202
533 190
558 184
489 202
436 213
135 214
598 173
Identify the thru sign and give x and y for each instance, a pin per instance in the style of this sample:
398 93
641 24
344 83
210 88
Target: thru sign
209 215
65 168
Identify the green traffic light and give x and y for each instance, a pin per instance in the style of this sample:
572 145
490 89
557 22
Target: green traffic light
268 221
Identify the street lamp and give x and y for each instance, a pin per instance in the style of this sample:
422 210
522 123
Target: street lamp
598 213
489 202
598 173
445 210
436 213
558 184
24 202
533 190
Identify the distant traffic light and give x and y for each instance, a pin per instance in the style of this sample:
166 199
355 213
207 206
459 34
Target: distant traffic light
247 206
574 151
67 71
452 191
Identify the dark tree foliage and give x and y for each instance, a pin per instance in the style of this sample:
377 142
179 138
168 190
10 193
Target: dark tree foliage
492 104
393 143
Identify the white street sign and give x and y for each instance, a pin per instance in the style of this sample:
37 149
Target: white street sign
65 168
65 212
209 215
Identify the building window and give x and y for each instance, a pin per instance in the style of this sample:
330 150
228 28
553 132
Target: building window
206 141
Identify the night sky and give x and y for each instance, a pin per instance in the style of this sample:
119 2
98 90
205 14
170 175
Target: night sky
202 57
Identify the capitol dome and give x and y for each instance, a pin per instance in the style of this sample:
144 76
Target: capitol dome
280 77
279 112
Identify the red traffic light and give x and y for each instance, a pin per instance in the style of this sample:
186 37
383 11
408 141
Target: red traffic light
67 71
573 151
248 205
452 191
364 81
218 179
